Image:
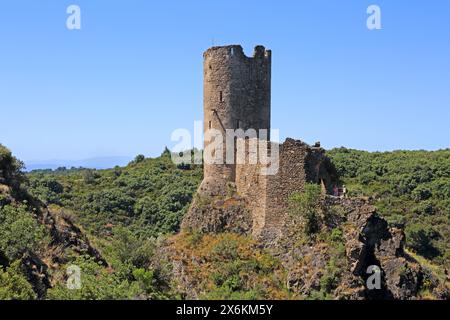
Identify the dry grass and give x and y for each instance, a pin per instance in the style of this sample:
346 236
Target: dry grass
206 255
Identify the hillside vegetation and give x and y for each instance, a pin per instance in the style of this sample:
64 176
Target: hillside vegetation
411 189
149 196
127 212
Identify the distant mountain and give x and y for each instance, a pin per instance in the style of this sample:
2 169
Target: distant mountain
92 163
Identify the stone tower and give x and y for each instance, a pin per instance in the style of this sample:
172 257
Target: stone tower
236 96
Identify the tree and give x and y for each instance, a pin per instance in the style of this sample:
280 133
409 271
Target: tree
10 169
46 188
90 176
139 158
420 238
19 231
306 204
14 285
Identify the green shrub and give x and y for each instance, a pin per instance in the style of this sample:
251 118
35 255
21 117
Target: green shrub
139 158
128 248
225 250
90 176
420 239
19 231
306 205
47 189
421 193
96 283
14 285
336 235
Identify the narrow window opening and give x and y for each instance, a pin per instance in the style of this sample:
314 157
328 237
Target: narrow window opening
235 150
210 125
232 51
238 124
221 96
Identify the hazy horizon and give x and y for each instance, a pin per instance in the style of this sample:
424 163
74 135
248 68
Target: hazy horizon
108 162
104 162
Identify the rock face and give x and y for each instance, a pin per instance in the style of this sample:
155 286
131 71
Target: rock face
37 273
66 234
369 242
369 246
218 214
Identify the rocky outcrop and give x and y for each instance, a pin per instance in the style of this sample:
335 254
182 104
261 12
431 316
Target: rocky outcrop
37 273
66 235
218 214
369 246
369 242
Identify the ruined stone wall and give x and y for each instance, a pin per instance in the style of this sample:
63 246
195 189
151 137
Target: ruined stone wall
291 178
268 195
252 186
299 164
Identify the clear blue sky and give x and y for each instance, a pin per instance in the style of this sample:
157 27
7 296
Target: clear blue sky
133 73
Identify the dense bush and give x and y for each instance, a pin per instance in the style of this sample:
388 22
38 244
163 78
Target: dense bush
96 283
14 285
232 267
19 232
11 171
420 239
306 204
46 188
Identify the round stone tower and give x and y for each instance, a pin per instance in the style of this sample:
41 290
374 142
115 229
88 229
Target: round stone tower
236 96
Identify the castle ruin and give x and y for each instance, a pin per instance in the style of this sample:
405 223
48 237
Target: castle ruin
237 196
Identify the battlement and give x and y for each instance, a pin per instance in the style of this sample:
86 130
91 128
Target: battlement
259 52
